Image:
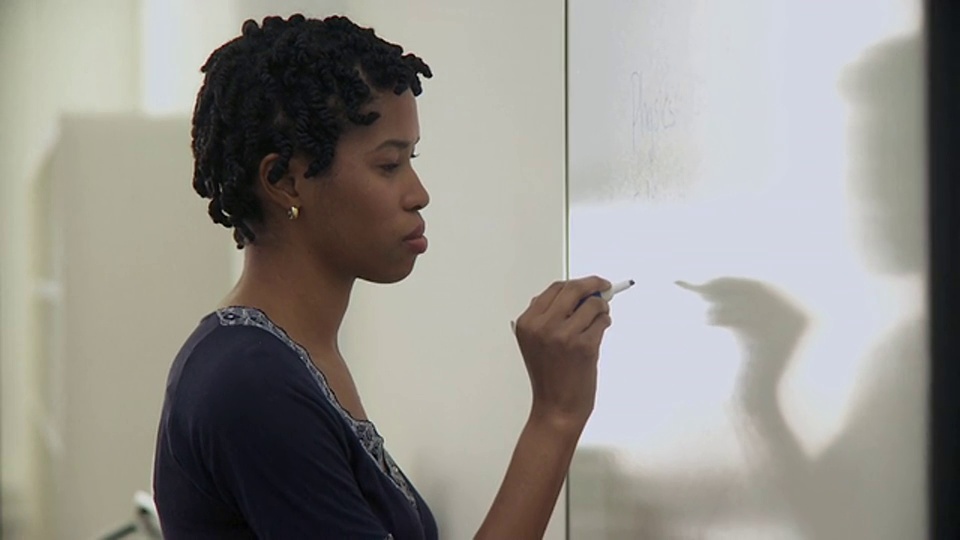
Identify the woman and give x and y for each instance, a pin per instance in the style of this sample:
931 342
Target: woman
303 136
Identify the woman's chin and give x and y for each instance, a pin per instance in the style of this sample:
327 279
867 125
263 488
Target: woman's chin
393 275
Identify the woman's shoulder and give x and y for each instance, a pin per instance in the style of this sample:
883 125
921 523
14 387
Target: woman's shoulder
236 358
235 339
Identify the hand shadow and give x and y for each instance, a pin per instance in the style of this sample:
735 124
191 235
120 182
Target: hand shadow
866 483
767 323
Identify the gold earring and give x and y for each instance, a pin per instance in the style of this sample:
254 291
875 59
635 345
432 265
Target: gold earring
293 213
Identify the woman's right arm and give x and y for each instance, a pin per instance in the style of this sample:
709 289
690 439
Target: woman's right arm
560 346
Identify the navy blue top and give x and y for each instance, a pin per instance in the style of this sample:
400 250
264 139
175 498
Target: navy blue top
253 444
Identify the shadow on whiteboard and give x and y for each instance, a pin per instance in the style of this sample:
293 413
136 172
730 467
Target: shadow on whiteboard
868 481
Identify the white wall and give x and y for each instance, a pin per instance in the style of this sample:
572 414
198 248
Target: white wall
56 56
176 36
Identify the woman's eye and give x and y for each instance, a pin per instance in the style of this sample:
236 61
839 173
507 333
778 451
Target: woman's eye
391 167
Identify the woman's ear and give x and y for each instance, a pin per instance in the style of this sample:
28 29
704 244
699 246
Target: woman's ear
283 192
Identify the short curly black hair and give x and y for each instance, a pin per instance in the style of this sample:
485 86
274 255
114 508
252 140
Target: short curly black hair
286 86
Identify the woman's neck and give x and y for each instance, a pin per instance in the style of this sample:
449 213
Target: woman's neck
305 299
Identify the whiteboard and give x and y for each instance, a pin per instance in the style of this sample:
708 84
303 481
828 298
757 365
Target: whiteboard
770 154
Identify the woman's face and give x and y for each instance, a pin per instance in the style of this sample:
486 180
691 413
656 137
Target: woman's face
361 219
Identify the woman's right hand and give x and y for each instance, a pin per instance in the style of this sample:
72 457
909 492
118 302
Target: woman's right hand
560 344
